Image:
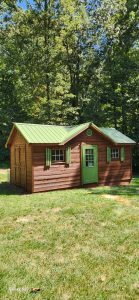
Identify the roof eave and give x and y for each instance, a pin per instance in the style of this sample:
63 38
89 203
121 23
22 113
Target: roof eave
9 137
35 144
128 144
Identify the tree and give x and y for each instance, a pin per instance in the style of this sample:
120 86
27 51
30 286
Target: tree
70 61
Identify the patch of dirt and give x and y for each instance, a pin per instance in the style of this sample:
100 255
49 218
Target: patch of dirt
26 219
66 296
60 260
4 171
117 198
103 278
107 196
56 209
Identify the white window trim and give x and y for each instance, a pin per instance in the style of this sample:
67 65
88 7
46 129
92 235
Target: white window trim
55 155
115 154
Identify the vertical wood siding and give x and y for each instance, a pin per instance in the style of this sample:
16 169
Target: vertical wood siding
21 173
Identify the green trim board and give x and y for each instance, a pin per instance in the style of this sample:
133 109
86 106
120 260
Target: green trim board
122 153
60 134
48 157
108 154
68 155
89 164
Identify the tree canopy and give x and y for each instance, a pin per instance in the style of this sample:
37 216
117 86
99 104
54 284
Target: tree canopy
68 62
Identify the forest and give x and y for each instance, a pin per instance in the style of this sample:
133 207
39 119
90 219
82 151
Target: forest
69 62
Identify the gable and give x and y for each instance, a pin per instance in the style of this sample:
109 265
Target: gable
96 138
16 137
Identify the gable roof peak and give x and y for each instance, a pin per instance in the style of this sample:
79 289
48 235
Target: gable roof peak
62 134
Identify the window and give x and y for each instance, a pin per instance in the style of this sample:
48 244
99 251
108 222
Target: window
89 157
58 155
114 153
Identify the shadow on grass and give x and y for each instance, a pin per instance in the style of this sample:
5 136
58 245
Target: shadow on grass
9 189
129 190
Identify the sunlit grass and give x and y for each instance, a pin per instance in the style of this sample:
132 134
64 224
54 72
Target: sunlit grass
73 244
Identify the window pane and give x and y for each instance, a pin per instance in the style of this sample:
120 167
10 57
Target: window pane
115 153
57 155
53 152
57 152
89 157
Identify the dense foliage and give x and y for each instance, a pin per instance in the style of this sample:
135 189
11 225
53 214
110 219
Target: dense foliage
70 61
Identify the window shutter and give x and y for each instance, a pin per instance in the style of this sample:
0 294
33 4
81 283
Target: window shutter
108 154
48 157
122 154
68 155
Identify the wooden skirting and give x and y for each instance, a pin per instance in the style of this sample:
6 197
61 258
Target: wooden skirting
47 188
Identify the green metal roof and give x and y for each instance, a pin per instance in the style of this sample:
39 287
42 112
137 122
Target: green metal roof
48 134
36 133
53 134
116 136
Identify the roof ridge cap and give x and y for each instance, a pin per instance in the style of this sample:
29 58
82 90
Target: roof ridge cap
35 124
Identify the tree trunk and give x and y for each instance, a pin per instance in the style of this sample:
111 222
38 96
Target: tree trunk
124 110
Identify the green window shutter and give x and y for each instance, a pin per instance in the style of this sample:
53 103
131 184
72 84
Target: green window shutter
68 155
108 154
122 153
48 157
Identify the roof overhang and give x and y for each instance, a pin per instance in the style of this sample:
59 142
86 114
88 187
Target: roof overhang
11 135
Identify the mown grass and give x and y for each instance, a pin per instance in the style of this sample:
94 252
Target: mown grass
73 244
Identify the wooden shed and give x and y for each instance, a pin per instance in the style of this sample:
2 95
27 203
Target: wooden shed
48 157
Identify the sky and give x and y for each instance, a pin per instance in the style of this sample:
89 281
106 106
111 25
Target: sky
23 3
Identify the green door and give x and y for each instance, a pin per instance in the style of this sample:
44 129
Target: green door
89 164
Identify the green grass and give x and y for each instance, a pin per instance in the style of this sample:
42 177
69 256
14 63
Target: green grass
73 244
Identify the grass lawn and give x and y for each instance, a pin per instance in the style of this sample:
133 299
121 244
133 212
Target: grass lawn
73 244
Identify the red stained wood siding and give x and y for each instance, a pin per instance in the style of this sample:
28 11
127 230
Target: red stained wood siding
34 176
60 176
114 171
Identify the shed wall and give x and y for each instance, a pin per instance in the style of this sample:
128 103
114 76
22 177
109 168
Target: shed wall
60 175
114 172
24 167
